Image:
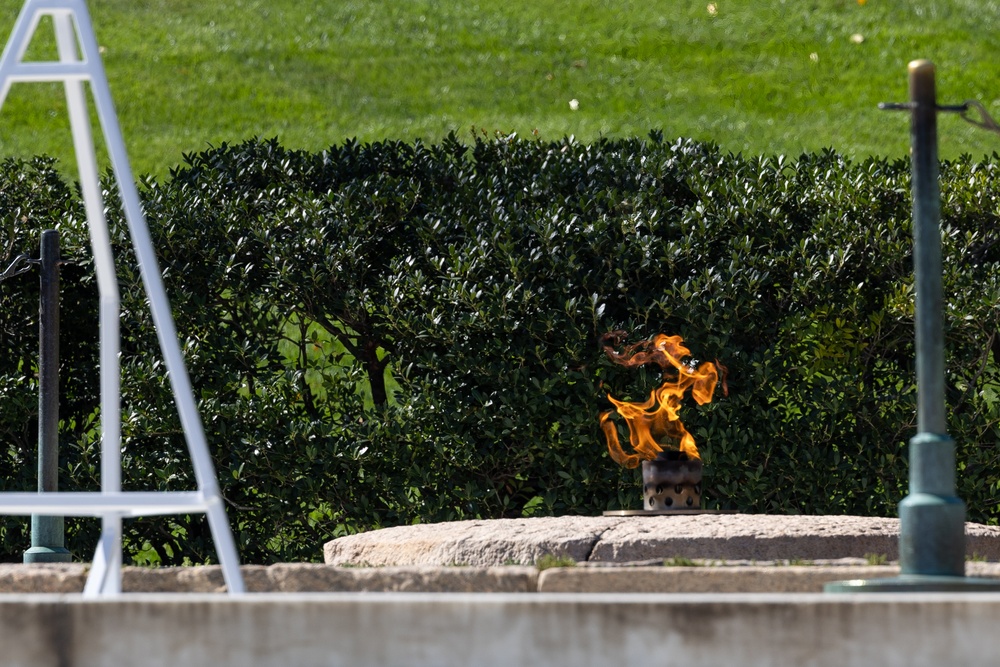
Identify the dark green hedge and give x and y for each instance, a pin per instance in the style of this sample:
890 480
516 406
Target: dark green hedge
395 332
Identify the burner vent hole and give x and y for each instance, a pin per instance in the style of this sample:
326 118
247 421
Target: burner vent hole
668 501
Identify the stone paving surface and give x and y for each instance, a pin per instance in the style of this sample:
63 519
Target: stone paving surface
630 539
675 554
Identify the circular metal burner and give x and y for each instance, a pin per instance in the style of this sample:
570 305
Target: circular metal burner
670 482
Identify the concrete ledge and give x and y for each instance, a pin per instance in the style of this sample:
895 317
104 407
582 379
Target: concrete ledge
156 630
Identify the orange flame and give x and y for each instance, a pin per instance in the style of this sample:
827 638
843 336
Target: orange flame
658 418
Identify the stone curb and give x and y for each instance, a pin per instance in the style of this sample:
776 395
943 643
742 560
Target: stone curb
313 577
279 578
749 579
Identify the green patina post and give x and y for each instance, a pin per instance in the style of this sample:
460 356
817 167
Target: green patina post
47 535
931 517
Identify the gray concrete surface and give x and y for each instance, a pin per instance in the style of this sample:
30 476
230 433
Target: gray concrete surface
355 629
624 539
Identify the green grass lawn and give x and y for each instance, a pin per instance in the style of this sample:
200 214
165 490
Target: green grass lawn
759 76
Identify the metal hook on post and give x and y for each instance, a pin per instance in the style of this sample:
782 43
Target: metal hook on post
16 268
985 121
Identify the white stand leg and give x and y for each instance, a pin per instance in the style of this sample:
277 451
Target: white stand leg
105 576
79 63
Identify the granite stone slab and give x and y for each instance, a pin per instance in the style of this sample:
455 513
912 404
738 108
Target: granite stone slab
625 539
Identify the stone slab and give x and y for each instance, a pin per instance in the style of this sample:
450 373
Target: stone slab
623 539
42 577
164 630
304 578
282 577
482 543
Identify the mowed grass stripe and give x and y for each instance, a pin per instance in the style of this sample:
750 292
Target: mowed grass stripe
768 76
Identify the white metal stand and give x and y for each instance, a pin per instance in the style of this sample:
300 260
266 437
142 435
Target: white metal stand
79 62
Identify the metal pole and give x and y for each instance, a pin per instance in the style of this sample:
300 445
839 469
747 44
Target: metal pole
47 534
927 249
932 518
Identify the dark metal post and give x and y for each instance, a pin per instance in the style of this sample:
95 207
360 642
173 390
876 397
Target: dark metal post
47 534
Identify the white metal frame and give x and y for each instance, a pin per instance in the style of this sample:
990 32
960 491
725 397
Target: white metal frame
79 62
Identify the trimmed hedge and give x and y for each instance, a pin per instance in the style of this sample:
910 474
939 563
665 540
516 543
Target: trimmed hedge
396 332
